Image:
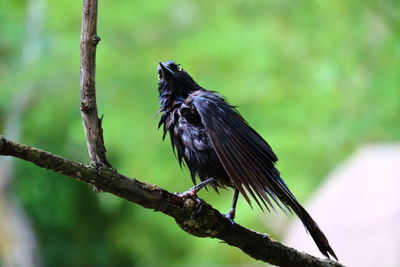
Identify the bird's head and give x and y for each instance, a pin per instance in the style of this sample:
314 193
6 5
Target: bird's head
174 82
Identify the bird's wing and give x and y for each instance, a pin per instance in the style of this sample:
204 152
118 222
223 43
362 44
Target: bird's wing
249 160
245 155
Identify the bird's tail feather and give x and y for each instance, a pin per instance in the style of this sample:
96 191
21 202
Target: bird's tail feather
312 227
288 199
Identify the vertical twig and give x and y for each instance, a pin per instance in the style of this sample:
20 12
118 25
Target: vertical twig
91 121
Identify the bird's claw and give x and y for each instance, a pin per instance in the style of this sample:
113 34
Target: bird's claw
199 204
187 194
192 194
230 216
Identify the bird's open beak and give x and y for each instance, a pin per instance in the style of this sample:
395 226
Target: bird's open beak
164 71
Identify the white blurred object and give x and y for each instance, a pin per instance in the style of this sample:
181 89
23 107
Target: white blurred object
358 209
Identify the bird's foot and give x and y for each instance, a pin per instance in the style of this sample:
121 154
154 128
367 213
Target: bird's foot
188 194
193 195
199 204
230 215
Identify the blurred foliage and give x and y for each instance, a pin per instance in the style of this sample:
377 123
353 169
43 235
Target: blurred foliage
315 78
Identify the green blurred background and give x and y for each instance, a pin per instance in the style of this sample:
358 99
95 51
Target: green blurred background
315 78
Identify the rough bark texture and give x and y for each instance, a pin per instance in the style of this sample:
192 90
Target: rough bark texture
208 222
91 121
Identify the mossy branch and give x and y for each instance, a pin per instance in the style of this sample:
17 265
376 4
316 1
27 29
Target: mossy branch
208 222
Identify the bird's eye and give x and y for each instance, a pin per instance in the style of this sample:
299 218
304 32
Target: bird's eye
179 68
159 77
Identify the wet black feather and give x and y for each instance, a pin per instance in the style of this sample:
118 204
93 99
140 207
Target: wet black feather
214 140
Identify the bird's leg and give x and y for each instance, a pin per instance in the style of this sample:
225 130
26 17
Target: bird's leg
192 192
231 214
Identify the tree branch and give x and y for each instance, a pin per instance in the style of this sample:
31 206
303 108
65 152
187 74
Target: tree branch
208 222
91 121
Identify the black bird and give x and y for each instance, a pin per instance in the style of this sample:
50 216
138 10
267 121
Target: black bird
219 147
